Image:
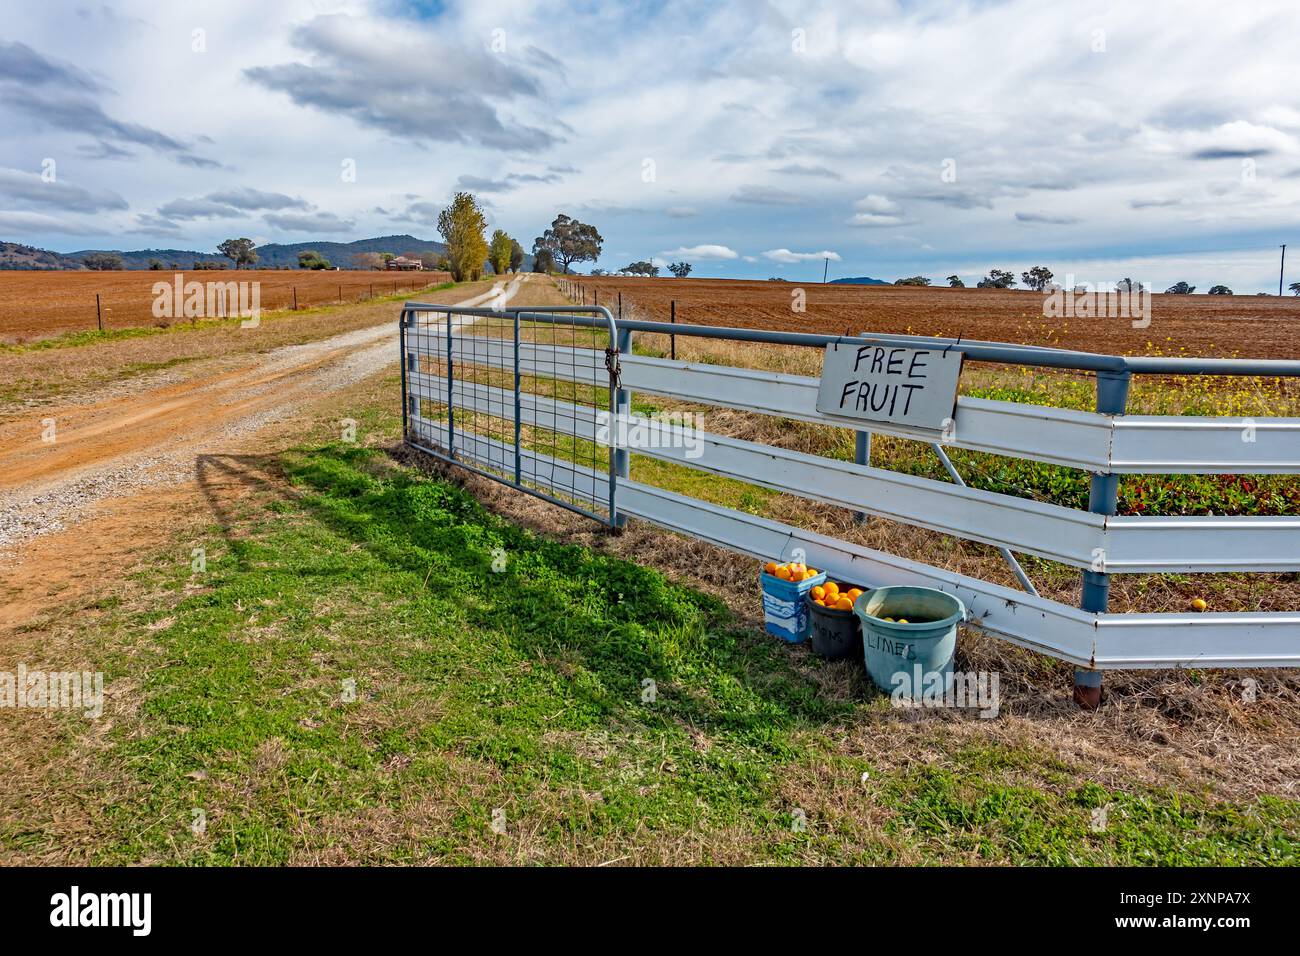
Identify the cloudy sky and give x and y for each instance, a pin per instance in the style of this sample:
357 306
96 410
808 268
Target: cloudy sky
1158 140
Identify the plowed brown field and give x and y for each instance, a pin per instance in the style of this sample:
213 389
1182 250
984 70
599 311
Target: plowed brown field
38 304
1201 325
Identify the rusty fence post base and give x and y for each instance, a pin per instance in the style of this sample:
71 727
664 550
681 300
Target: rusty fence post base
1087 688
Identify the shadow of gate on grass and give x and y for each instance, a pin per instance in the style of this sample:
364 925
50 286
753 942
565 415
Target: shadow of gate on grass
564 606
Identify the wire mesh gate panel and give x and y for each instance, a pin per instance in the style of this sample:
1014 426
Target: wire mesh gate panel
517 395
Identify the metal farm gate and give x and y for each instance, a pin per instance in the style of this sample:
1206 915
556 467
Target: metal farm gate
526 396
517 395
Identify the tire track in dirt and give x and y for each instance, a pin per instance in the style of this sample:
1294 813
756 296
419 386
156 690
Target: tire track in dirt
110 450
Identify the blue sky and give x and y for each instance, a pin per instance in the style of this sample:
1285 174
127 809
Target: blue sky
1158 140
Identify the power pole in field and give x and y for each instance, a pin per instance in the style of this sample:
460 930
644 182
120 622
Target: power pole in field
1282 270
826 266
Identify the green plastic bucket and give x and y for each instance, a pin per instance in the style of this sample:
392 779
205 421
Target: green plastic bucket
928 640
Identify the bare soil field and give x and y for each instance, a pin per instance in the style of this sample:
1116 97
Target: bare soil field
1200 325
38 304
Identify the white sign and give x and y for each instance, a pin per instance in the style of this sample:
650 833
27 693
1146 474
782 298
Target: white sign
890 384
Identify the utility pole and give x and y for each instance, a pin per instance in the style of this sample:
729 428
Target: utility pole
1281 271
825 269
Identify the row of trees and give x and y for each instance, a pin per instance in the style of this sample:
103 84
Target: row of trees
462 226
1039 279
643 268
566 241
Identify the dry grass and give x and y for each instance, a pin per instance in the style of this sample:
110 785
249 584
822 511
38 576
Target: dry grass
1184 730
38 304
30 378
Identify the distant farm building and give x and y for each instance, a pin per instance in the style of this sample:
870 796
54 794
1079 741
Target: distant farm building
403 264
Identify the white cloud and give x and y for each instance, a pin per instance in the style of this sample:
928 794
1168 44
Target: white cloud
27 222
757 146
324 222
786 256
701 252
876 210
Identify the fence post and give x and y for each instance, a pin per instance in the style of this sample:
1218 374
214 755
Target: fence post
99 315
672 339
410 404
1103 497
518 408
620 305
451 396
295 298
861 455
622 407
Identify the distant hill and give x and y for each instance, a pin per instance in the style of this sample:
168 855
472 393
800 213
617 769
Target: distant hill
14 255
274 255
139 258
859 280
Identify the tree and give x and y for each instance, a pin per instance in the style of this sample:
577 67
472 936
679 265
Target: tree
641 268
368 260
516 256
569 241
543 261
103 261
954 282
997 279
461 226
499 250
311 259
680 269
1180 288
1220 290
155 265
1128 285
912 280
1295 288
1037 278
239 251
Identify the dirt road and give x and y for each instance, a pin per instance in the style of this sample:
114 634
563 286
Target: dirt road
83 480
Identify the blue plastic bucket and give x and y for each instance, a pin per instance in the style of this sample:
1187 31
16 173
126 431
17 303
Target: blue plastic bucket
928 641
785 614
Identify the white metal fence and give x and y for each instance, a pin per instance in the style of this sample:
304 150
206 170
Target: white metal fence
1097 543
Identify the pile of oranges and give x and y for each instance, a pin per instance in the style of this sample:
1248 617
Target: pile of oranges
829 595
793 572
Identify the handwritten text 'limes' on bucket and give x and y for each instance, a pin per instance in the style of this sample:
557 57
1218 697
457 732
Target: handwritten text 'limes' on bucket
906 626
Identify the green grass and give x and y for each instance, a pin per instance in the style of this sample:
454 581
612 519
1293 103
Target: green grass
522 689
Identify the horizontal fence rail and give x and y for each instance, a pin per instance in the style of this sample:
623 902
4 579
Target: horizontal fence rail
1105 443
